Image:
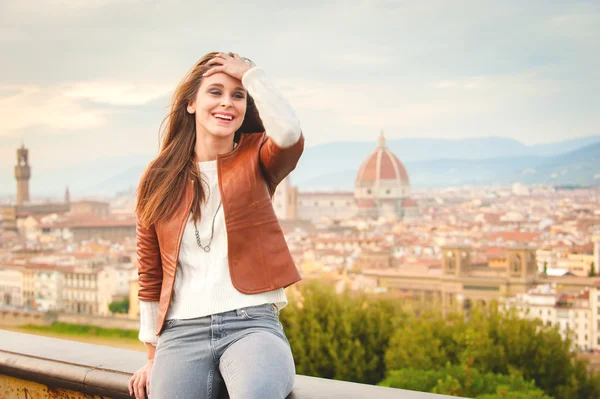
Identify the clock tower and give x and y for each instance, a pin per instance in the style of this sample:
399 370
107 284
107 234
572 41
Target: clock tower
22 174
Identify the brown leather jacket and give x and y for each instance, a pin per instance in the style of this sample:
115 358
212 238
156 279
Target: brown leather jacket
259 259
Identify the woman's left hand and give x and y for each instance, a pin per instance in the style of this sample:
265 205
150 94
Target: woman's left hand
233 66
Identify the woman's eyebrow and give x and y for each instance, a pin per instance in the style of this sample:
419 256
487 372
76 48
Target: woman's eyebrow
222 87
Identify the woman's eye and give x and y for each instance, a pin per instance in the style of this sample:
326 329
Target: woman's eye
215 92
238 95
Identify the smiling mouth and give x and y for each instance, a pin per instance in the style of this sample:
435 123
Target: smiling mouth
224 117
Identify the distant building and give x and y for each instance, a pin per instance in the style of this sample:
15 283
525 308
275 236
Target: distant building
382 184
380 258
11 287
22 175
100 209
49 282
521 189
24 208
382 188
80 291
571 312
597 256
461 283
134 302
331 205
285 200
113 285
110 229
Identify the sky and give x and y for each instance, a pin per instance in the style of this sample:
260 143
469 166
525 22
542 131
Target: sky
81 80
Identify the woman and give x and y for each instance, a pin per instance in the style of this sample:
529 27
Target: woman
213 260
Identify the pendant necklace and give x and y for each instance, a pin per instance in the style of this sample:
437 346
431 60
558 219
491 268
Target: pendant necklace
198 241
207 248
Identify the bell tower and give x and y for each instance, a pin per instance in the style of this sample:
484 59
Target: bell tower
22 175
521 262
456 260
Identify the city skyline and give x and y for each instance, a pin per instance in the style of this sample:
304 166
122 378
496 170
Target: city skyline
433 164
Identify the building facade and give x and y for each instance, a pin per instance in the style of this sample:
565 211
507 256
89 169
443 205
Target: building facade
49 284
24 208
333 205
382 189
80 293
382 184
460 284
113 285
22 175
99 209
572 313
110 229
11 287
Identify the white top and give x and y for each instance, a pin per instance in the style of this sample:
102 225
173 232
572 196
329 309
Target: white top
202 283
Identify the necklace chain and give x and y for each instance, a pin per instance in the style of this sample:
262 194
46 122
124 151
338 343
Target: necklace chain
207 248
212 232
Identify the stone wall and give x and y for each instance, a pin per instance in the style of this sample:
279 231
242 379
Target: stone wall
16 318
100 321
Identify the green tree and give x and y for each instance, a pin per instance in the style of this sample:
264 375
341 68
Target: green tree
372 339
452 380
339 336
119 306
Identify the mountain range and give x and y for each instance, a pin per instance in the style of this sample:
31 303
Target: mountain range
332 166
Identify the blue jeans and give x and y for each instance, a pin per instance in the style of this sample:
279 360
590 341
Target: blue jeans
245 348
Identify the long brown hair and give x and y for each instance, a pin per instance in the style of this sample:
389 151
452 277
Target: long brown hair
162 186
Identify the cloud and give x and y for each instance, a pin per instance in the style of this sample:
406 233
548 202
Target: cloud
444 84
362 59
118 93
467 83
525 70
67 106
26 106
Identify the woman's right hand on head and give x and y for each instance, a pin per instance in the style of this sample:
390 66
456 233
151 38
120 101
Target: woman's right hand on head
140 381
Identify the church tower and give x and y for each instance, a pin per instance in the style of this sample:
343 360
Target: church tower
22 175
456 260
521 262
67 196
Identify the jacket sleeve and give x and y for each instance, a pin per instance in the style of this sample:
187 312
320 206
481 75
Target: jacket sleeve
149 263
278 162
283 141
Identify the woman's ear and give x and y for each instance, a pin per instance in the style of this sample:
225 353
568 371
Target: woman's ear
191 107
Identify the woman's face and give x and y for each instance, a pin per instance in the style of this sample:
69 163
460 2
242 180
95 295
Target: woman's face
220 105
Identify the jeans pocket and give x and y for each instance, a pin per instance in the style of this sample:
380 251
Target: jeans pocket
259 312
169 323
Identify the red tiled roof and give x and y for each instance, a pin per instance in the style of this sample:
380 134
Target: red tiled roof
96 222
332 193
84 255
89 202
389 168
584 249
366 203
492 218
519 236
408 202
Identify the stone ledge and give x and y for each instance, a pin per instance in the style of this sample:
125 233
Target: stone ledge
105 371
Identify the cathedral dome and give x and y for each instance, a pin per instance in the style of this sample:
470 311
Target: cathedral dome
382 166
